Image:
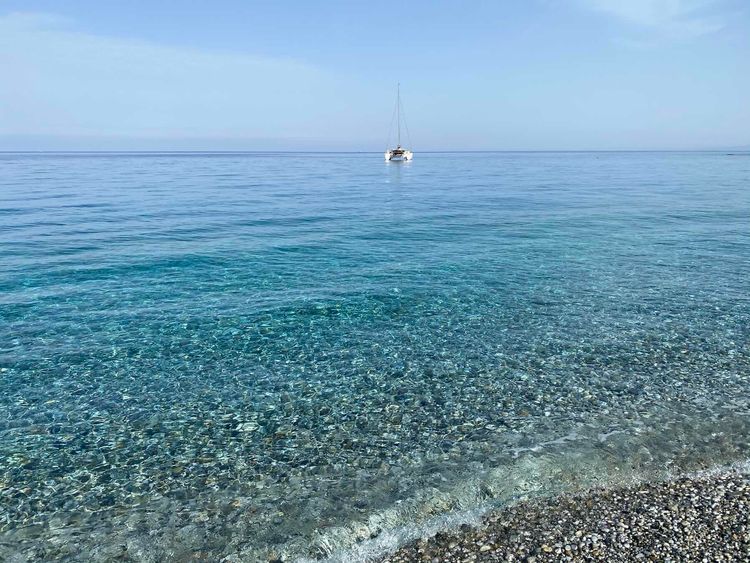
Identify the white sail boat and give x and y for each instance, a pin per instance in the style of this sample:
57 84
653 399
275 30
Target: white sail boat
399 154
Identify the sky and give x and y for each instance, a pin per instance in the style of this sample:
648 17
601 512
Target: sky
301 75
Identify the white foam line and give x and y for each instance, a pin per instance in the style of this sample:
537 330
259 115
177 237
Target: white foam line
390 540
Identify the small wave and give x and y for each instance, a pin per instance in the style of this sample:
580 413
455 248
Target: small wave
384 539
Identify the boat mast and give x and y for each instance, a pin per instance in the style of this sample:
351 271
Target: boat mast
398 111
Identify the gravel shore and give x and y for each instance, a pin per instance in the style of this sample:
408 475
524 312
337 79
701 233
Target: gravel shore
704 518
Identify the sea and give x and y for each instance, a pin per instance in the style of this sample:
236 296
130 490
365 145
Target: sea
318 356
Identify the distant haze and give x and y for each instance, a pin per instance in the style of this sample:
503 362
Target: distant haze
236 75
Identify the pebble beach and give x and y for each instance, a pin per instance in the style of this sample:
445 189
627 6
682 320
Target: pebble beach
696 518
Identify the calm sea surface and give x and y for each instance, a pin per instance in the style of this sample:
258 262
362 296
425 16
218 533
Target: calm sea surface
317 355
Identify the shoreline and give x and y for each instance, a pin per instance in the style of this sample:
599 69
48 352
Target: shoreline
695 517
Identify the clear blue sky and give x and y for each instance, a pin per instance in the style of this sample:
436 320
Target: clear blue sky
233 74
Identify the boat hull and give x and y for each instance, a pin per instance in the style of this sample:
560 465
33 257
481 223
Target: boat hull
405 156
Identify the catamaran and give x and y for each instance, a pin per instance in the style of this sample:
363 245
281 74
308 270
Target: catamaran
399 154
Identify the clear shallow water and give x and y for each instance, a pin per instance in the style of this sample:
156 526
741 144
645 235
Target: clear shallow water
247 356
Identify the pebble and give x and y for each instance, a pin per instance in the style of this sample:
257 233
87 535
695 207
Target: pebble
247 427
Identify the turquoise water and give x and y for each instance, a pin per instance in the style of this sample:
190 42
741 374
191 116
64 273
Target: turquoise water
245 356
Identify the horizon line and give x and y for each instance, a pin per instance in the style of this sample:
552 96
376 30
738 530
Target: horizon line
441 151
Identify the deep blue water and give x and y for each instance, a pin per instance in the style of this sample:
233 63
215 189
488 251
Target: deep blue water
212 355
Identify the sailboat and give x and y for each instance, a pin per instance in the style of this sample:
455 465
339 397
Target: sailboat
399 154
